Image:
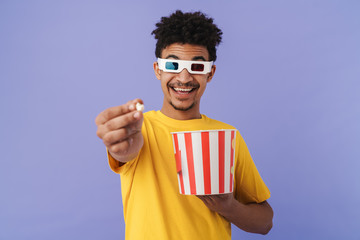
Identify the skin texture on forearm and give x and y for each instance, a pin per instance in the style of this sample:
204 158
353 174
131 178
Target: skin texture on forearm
252 217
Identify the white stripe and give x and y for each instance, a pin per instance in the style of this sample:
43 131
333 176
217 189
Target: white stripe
214 161
184 166
198 162
227 161
175 160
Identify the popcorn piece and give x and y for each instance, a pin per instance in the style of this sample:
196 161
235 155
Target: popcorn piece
139 107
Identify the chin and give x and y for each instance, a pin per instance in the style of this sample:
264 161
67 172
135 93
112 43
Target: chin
182 108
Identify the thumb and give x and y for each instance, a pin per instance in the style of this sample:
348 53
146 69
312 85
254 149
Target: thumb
139 117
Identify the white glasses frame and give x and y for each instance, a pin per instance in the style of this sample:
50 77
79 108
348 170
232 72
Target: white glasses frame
184 64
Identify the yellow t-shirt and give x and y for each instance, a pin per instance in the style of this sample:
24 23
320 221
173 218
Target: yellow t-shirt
154 208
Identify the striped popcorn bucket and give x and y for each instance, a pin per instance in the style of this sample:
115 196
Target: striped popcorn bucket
204 161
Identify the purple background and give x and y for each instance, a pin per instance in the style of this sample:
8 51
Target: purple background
287 77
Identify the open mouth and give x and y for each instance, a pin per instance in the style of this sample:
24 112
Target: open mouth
183 90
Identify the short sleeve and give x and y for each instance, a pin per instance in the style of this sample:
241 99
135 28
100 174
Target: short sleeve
119 167
249 186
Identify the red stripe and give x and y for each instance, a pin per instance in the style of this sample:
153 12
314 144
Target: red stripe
221 160
179 172
231 160
206 161
190 161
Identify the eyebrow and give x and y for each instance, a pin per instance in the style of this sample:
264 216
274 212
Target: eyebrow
196 58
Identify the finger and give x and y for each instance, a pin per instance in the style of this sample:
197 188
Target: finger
120 147
127 120
132 103
113 112
202 197
120 135
116 136
121 122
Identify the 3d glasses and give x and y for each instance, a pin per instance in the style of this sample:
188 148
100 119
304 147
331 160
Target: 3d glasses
176 66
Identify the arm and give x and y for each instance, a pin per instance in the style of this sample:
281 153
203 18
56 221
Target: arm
120 129
252 217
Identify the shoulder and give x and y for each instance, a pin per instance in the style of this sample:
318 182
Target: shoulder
150 116
217 123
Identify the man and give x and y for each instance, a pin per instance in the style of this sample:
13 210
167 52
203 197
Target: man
140 146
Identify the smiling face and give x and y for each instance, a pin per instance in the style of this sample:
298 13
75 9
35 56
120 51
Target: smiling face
182 91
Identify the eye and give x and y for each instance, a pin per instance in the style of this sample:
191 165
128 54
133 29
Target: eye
197 67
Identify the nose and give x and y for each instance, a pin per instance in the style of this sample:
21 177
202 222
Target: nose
184 76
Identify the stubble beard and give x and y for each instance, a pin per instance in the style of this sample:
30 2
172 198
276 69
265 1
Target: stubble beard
184 109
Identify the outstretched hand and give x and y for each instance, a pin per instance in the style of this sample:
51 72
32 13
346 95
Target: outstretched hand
120 129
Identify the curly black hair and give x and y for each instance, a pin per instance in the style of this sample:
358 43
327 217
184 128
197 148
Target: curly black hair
192 28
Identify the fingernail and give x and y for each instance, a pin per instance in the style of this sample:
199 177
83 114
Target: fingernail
137 115
131 107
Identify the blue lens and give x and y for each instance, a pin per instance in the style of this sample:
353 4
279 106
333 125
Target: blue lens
171 65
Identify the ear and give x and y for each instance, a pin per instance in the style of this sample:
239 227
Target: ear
157 70
211 74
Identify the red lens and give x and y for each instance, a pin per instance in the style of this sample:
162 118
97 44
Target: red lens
197 67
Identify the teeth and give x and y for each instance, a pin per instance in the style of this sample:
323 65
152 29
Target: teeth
183 89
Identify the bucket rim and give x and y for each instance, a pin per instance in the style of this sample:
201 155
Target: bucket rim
199 131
